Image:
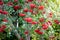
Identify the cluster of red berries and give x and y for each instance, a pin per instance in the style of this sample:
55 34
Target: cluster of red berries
2 28
38 31
28 19
3 12
1 2
57 21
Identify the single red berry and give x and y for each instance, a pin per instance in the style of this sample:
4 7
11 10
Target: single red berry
10 3
1 11
26 32
34 22
41 19
22 15
41 7
29 19
56 21
16 7
1 3
5 20
15 0
44 26
25 10
32 5
31 10
37 30
50 15
5 12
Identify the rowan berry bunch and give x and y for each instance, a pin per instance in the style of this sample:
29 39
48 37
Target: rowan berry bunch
28 19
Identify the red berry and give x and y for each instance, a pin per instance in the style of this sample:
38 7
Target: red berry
28 19
25 10
10 3
50 14
1 3
26 32
32 5
5 20
5 12
16 7
31 10
56 21
41 7
1 11
41 19
34 22
15 0
44 26
22 15
37 30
